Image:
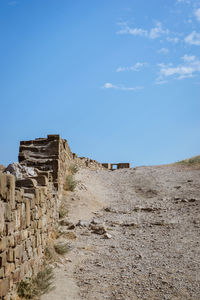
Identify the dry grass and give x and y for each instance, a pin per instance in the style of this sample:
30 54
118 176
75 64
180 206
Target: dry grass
62 212
70 183
62 248
33 288
193 162
73 169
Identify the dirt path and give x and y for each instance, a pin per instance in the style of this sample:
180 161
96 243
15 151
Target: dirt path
138 239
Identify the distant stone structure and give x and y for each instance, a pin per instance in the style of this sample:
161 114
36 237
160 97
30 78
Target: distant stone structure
116 166
29 206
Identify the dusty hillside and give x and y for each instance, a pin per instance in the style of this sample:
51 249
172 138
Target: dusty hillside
138 239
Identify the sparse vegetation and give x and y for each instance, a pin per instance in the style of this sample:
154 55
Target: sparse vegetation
190 161
62 248
73 169
48 252
70 183
32 288
62 212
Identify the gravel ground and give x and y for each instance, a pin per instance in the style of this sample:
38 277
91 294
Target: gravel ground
139 235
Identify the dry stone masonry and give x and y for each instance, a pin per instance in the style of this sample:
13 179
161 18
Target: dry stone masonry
29 205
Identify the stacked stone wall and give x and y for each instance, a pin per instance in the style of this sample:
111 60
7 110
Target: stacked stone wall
28 212
29 207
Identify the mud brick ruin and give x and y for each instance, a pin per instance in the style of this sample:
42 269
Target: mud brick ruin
29 207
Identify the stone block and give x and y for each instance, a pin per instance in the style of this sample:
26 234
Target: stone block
27 183
3 259
3 244
10 257
24 234
9 228
2 221
3 186
19 195
9 268
41 180
28 212
2 272
11 241
24 256
18 252
4 287
16 275
37 196
7 212
17 218
11 190
18 238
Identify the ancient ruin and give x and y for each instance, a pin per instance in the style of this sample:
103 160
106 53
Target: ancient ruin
117 166
29 205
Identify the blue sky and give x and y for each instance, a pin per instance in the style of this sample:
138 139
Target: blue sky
119 79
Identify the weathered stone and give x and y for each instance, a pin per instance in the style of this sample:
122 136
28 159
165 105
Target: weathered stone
9 228
2 222
9 268
19 195
4 286
41 180
20 171
28 212
3 259
1 273
7 212
98 229
11 241
27 183
2 168
83 223
17 218
3 244
16 275
11 190
10 257
24 234
3 185
18 252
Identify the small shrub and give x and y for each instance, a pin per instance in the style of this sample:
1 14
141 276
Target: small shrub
26 289
73 169
48 252
62 248
62 212
43 281
32 288
70 183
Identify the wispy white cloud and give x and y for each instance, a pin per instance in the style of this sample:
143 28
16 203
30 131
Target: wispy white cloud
160 82
157 31
133 31
197 14
172 39
193 38
121 87
163 51
190 66
137 67
153 33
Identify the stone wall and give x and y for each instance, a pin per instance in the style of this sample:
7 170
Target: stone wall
29 207
111 166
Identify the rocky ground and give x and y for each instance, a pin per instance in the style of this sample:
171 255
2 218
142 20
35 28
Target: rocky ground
138 237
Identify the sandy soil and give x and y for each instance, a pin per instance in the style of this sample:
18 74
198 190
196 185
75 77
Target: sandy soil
138 239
